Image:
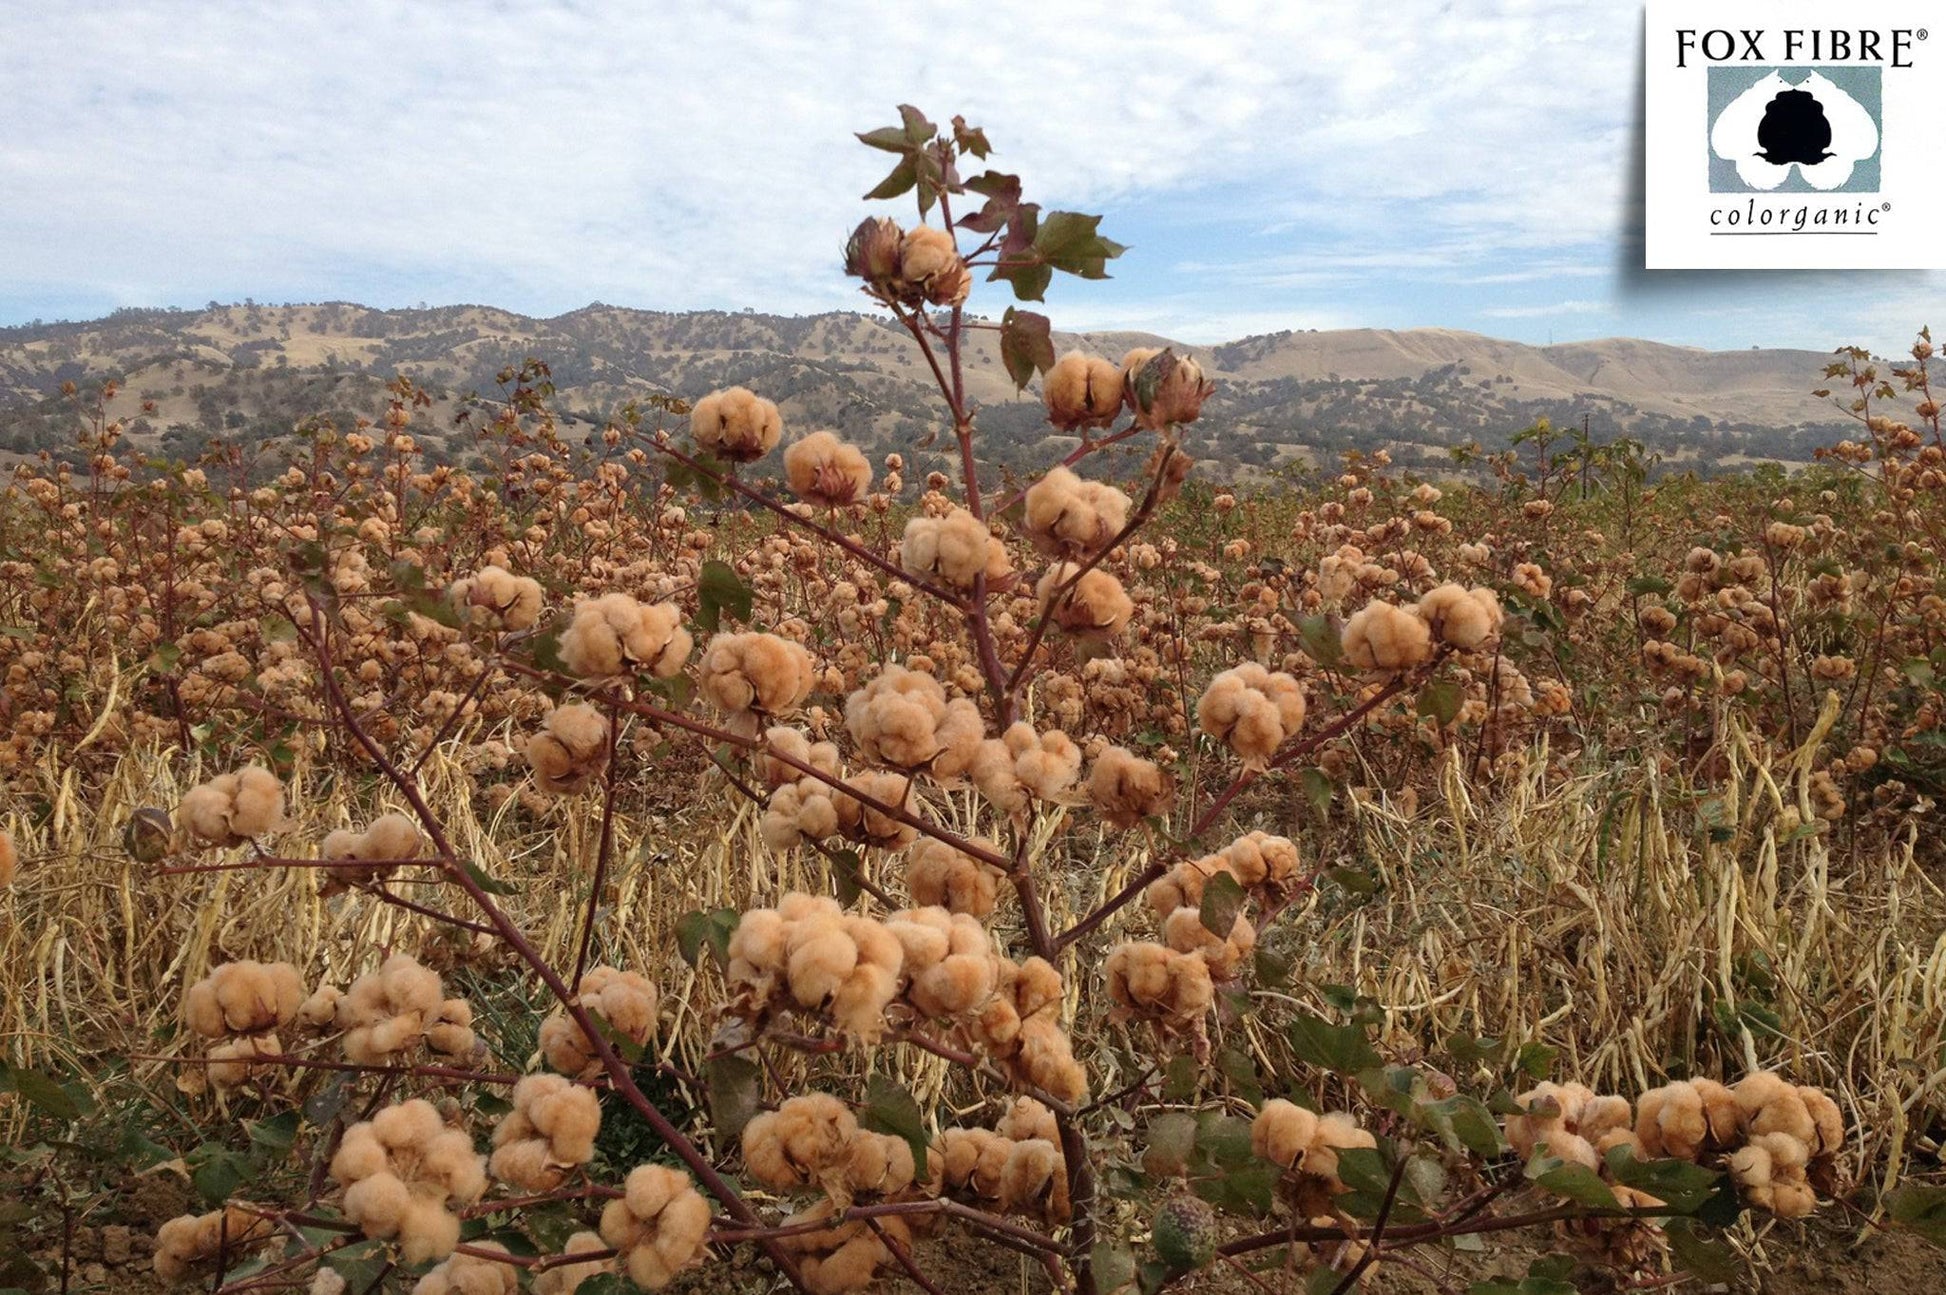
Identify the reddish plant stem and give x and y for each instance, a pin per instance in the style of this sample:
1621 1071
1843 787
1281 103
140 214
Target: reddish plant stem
618 1069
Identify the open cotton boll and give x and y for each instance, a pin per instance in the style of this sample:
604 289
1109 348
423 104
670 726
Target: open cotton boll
9 860
844 1257
1381 638
550 1130
234 807
244 997
895 717
1183 931
866 824
402 1170
1066 516
736 424
495 596
571 749
1252 710
1082 391
565 1279
756 673
799 1142
1093 605
1461 617
369 855
822 469
956 549
189 1241
930 262
472 1274
939 874
389 1011
799 810
614 634
1128 789
1156 982
1282 1132
625 1000
784 740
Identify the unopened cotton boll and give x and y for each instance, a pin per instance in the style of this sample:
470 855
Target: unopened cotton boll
234 807
1162 388
736 424
1082 391
571 749
614 634
822 469
1381 638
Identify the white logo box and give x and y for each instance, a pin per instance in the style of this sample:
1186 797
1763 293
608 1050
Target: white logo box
1779 137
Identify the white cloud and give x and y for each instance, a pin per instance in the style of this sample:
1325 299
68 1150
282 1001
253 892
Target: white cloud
549 153
1579 307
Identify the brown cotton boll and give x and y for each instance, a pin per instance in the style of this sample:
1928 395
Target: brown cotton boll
959 1152
1046 1059
407 1124
878 1163
392 836
1601 1114
1721 1115
822 469
1282 1132
1750 1168
341 844
851 1266
895 717
1252 710
626 1000
614 634
759 948
928 257
378 1204
472 1274
496 597
1082 391
1681 1124
820 957
565 1279
1028 1175
992 770
858 1008
940 875
233 807
570 751
923 936
1461 617
864 823
1138 976
201 1012
1036 988
1570 1147
1381 638
958 736
1066 516
1092 605
360 1155
756 673
954 987
1827 1120
564 1047
524 1164
230 1060
736 424
1128 789
1027 1118
450 1034
569 1117
1621 1137
427 1231
1260 859
785 740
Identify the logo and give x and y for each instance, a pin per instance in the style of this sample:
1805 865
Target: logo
1794 130
1793 135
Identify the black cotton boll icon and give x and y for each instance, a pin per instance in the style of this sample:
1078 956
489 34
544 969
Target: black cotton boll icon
1794 129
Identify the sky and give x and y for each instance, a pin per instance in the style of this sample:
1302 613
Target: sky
1287 165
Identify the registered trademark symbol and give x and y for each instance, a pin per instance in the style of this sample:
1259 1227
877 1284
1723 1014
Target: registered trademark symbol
1922 33
1886 207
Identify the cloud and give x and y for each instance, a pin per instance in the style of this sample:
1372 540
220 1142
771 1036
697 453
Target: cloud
1580 307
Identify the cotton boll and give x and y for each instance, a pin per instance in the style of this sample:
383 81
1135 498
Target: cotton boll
1252 710
658 1225
1183 931
956 549
1082 391
1092 605
1066 516
1381 638
1128 789
1337 1131
614 634
736 424
565 1279
408 1124
571 750
378 1204
866 824
755 673
1029 1174
1461 617
427 1230
784 740
822 469
1026 1118
234 807
1282 1132
496 597
1827 1119
1721 1115
895 717
471 1274
821 956
1770 1105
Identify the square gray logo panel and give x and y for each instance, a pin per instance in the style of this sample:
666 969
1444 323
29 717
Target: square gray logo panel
1794 129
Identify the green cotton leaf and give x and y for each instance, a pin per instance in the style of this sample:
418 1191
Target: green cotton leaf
1536 1059
891 1109
1649 586
1251 1189
734 1087
890 139
1681 1186
1342 1049
1026 345
1068 241
40 1090
696 930
1579 1184
276 629
1321 641
607 1284
720 589
1273 970
1317 789
1172 1141
899 180
1352 881
847 873
972 139
917 129
1922 1208
1706 1259
1440 701
1029 279
275 1134
1237 1066
1180 1079
1223 899
1464 1121
484 882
